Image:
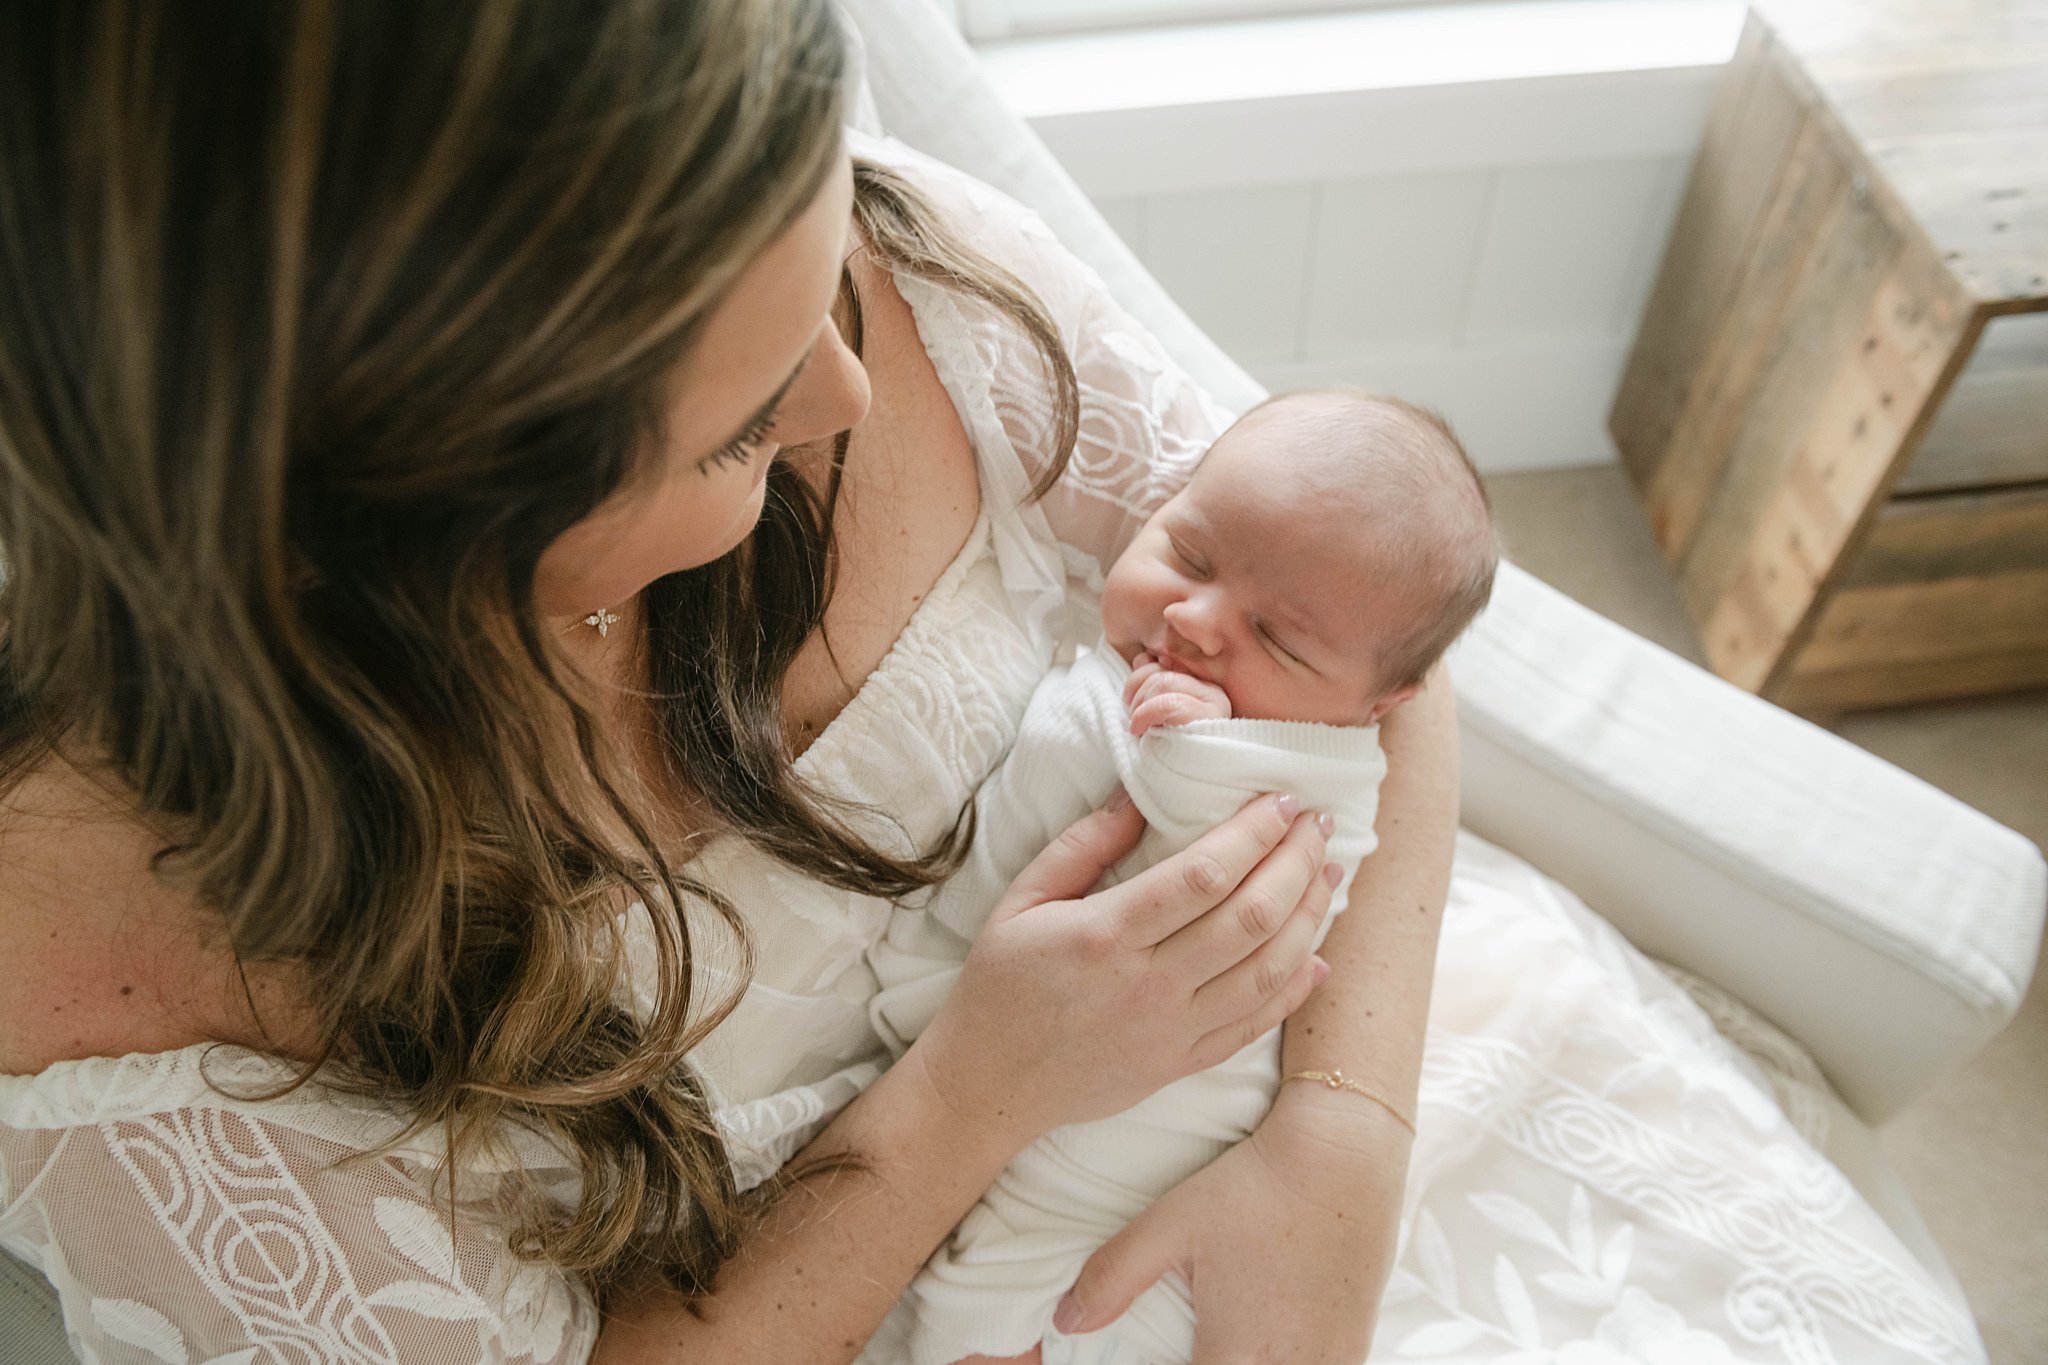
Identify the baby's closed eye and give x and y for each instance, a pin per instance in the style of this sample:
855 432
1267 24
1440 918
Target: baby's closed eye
1278 648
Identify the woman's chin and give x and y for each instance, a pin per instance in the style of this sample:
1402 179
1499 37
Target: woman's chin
624 573
745 519
714 548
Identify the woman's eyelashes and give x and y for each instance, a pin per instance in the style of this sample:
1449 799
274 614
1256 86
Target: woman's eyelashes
742 448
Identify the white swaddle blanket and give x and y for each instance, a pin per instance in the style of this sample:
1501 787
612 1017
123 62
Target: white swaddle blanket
992 1288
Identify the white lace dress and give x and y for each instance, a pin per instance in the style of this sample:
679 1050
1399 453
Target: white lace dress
1600 1177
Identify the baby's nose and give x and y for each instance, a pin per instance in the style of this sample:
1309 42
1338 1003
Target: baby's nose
1193 626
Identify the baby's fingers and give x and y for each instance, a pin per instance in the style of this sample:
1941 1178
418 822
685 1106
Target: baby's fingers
1161 681
1168 708
1141 669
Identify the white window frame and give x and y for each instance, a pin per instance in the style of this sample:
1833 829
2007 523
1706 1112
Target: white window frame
994 20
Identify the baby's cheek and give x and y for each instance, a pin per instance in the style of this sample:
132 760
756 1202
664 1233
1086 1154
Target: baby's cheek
1282 698
1123 607
1268 698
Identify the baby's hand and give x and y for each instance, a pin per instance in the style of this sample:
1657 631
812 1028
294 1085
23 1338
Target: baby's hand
1157 696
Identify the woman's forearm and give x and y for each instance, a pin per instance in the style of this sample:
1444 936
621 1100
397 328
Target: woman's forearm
814 1280
1369 1017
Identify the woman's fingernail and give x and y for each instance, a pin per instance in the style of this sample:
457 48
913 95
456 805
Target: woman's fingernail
1067 1316
1332 874
1289 805
1118 799
1322 972
1326 824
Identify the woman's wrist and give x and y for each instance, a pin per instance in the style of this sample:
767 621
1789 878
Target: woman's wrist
1337 1080
1316 1103
898 1167
958 1098
1338 1134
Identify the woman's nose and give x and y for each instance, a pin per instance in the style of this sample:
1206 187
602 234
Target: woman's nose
830 395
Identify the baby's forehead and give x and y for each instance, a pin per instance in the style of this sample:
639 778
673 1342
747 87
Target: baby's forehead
1278 461
1339 483
1306 558
1279 518
1349 430
1346 458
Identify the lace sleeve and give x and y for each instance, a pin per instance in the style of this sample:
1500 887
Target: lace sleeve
1144 420
209 1234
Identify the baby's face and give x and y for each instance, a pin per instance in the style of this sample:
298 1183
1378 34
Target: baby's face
1246 581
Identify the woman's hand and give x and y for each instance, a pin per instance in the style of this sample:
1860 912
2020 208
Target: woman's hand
1073 1007
1286 1240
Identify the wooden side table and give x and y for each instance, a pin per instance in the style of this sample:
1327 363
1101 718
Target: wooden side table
1872 192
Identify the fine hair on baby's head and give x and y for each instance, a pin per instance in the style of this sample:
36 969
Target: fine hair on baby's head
1392 480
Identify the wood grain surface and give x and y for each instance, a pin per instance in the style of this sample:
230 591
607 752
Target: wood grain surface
1871 194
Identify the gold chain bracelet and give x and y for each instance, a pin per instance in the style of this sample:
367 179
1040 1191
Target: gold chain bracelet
1337 1080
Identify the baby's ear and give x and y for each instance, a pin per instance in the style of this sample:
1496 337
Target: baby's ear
1390 701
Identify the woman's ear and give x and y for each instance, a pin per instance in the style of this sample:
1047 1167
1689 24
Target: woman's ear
1389 701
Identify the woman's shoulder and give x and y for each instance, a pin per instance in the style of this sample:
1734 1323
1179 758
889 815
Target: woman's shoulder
1001 228
167 1160
98 956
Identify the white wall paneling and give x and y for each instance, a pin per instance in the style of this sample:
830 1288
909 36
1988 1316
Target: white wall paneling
1506 296
1126 214
1392 258
1559 247
1659 216
1231 145
1237 262
1515 405
1464 204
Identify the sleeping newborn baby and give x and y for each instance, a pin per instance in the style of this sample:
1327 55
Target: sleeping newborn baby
1327 550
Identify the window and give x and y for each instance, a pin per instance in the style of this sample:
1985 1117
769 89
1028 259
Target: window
991 19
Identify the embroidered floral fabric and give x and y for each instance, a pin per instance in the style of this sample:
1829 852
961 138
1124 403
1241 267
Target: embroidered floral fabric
1603 1177
1600 1177
183 1226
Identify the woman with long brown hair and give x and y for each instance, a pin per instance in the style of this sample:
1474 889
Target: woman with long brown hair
504 587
